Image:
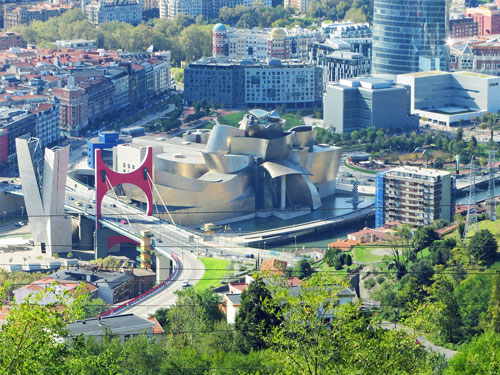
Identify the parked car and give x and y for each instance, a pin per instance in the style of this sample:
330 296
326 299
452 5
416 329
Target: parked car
185 284
159 240
250 256
71 198
78 203
123 221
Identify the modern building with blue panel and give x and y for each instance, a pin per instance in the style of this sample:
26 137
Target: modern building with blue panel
104 140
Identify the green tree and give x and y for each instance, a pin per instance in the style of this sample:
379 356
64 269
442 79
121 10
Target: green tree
448 320
253 321
479 357
32 338
318 335
302 269
423 237
494 305
483 246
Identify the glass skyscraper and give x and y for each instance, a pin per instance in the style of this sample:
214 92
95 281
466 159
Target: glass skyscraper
409 36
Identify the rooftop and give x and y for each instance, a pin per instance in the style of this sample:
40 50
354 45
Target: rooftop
98 326
419 171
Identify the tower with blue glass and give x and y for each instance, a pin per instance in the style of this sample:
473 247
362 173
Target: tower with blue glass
409 36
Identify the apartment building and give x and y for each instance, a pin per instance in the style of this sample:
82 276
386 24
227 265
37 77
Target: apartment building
263 84
463 28
263 43
47 122
18 15
487 19
8 40
414 196
74 104
344 64
99 11
16 122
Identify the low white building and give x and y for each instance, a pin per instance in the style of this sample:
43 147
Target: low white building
449 98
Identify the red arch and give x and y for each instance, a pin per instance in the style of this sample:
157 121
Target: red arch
137 177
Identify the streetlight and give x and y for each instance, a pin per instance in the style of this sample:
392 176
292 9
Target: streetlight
4 216
295 242
22 211
264 245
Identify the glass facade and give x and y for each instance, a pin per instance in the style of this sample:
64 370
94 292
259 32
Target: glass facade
409 36
379 199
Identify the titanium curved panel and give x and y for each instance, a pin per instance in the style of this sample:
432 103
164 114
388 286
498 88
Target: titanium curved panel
220 138
283 168
267 149
298 156
305 136
223 163
323 162
190 165
302 191
274 129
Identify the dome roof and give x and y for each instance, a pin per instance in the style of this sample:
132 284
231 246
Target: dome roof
220 27
277 33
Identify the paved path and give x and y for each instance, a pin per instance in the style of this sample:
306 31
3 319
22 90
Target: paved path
429 346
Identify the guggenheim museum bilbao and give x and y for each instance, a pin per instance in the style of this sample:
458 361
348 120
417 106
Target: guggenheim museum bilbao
234 173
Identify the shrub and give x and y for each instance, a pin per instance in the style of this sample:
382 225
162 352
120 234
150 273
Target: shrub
380 279
369 283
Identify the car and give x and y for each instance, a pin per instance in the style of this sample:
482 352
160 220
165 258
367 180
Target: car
93 201
71 198
5 182
185 284
89 206
113 205
159 240
123 221
78 203
250 256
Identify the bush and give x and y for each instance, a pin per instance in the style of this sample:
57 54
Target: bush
369 283
380 279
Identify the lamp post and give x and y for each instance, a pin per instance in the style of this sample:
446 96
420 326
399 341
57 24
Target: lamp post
22 211
295 237
264 245
4 216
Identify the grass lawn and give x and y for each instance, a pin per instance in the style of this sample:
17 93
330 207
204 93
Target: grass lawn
232 119
292 120
215 271
364 254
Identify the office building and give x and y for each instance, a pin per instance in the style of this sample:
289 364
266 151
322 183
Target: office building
449 98
344 64
360 103
463 28
409 36
99 11
487 18
414 196
240 83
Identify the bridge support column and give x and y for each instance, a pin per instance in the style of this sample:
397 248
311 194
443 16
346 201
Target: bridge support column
85 233
103 234
163 268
